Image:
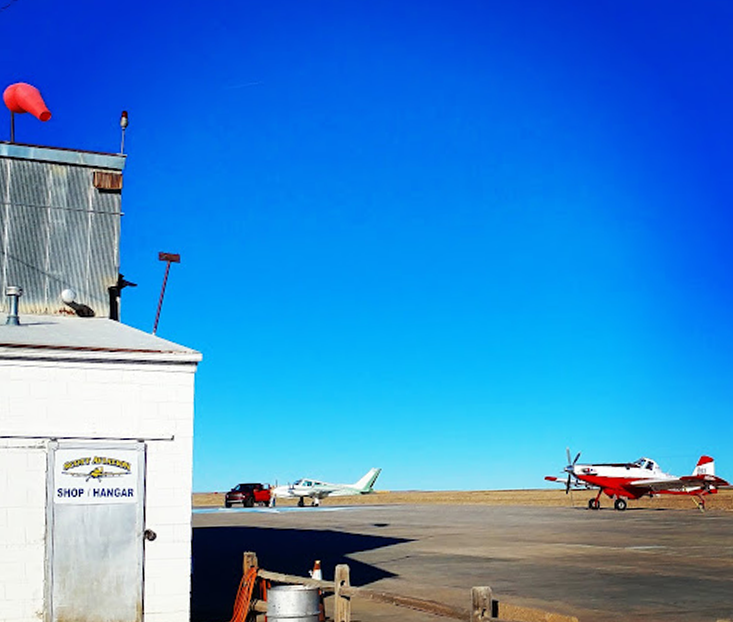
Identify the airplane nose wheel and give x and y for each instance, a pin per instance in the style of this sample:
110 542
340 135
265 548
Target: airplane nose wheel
620 504
594 504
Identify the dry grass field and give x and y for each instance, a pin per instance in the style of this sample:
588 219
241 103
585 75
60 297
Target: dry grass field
548 498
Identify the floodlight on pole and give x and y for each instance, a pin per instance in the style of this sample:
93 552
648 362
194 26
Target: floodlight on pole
169 258
124 122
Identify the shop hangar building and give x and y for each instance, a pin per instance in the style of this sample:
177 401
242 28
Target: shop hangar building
96 417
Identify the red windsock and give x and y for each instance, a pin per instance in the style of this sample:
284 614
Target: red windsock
22 97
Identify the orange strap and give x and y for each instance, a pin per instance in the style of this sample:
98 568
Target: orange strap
244 596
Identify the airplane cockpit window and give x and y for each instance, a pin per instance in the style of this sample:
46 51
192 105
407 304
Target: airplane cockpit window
644 463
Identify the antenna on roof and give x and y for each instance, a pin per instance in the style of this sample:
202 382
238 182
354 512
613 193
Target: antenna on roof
124 122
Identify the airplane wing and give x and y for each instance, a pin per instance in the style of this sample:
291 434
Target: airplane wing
680 483
343 492
575 484
706 480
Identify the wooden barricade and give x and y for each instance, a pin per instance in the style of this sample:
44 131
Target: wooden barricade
482 602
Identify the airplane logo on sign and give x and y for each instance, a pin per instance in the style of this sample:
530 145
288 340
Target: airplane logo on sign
98 472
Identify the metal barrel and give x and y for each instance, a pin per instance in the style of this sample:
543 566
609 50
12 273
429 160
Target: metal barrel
293 603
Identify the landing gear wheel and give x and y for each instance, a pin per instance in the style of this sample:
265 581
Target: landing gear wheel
301 503
594 504
620 504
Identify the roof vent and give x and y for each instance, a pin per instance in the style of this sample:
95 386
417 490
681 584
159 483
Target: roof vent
13 292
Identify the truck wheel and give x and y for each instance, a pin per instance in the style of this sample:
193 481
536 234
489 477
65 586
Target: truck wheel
249 502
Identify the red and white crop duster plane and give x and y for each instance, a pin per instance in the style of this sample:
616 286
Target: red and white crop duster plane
642 478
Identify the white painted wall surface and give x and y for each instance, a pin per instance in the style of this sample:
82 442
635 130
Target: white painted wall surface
95 399
22 527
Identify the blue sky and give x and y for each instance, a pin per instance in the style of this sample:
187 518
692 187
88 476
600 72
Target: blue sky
448 239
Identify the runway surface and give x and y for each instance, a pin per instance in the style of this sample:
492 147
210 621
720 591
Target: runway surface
274 510
655 565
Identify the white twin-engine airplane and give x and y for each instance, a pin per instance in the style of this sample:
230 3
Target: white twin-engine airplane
634 480
317 490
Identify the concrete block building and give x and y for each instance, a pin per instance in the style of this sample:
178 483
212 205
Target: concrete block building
96 417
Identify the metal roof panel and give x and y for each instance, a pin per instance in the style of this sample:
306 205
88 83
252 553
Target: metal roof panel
63 156
53 336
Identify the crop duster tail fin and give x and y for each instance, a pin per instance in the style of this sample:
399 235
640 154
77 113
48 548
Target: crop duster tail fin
705 466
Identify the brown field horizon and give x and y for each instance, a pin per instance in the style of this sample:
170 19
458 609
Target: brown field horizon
723 500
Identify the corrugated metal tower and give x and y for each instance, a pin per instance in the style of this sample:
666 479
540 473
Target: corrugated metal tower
60 213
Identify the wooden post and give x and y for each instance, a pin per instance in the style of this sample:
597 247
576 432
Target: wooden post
249 560
341 602
481 604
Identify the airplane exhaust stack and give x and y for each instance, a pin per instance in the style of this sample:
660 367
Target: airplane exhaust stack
22 97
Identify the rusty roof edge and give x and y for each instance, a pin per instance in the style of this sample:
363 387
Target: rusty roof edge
64 156
12 351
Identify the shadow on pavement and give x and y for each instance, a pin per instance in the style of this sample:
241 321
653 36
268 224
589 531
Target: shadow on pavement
217 561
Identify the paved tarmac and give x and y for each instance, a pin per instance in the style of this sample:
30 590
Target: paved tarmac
642 564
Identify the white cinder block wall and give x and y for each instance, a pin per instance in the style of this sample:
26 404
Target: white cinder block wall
113 400
22 527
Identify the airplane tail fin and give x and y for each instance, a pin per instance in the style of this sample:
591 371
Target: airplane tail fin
705 466
366 483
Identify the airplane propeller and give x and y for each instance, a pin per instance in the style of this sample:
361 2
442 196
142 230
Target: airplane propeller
570 469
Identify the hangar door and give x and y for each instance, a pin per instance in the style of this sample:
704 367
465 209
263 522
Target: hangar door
95 532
